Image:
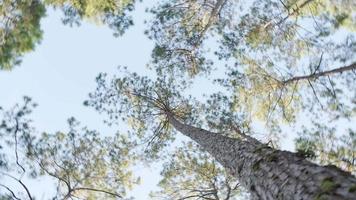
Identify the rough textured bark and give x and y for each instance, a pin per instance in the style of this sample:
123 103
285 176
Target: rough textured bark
269 173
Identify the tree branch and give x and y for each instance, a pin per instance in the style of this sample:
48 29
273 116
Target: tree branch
21 183
323 73
98 190
12 193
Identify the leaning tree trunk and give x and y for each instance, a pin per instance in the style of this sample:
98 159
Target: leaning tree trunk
269 173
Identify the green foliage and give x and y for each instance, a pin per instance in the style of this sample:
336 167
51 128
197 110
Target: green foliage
220 116
19 30
272 48
305 148
80 163
180 27
83 161
321 144
270 42
142 104
113 13
192 174
15 131
261 93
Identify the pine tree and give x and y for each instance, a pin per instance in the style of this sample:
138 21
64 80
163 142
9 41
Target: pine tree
157 109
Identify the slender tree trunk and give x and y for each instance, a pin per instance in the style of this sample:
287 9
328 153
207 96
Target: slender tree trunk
269 173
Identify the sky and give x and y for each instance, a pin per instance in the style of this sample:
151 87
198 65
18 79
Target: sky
61 72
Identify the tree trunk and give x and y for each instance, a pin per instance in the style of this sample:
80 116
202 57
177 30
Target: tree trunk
269 173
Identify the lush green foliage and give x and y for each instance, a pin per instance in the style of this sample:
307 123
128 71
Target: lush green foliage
19 29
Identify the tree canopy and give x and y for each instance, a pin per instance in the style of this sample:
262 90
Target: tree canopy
20 28
275 63
79 163
193 176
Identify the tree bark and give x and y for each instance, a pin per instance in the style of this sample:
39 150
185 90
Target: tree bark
269 173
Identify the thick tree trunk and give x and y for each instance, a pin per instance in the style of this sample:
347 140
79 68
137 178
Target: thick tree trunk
269 173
